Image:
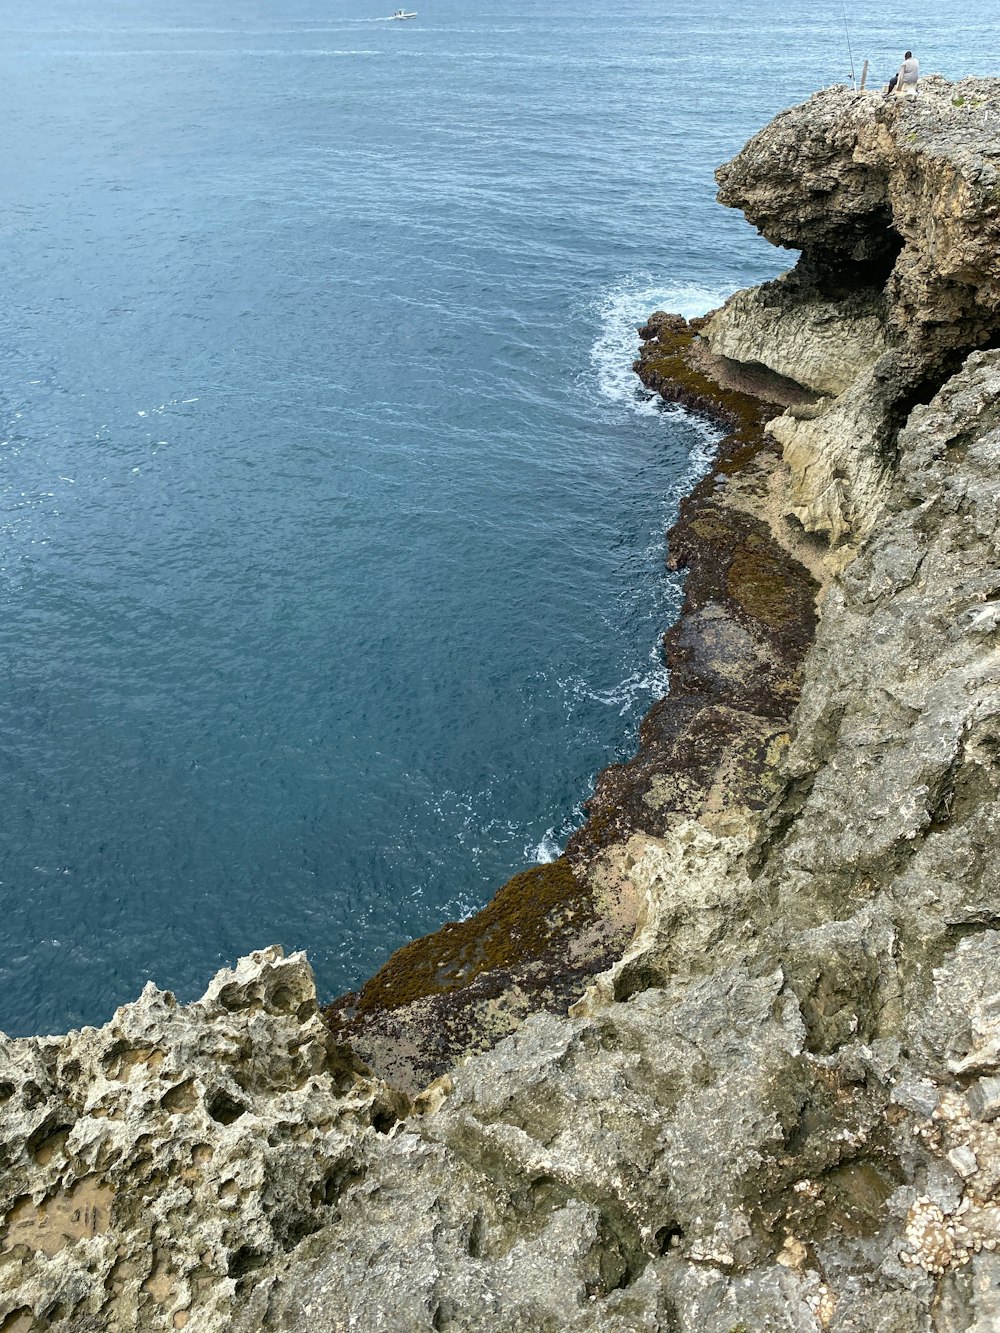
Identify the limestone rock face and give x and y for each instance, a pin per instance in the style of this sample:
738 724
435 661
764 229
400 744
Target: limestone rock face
824 345
839 452
895 205
894 736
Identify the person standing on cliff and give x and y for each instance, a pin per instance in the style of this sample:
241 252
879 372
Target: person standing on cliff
907 74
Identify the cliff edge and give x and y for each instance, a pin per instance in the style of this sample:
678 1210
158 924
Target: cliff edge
777 1107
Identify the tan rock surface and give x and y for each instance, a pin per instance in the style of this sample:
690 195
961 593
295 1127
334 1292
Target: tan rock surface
822 344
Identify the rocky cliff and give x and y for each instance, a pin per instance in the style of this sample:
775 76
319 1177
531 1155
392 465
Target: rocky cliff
776 1106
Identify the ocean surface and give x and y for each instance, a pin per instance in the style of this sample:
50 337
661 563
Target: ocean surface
331 516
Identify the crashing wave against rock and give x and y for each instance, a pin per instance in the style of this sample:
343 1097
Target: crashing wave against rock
779 1107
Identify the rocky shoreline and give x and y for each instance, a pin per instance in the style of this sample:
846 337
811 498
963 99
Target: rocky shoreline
733 1062
709 750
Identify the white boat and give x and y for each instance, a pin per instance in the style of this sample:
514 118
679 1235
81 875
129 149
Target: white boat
405 14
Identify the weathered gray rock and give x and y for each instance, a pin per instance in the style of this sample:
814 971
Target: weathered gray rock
984 1099
892 743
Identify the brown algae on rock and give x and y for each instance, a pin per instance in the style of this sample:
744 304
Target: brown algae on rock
520 924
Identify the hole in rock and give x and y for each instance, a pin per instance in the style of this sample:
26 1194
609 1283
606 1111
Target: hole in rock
33 1095
636 978
474 1244
223 1108
858 257
337 1182
383 1120
19 1321
668 1236
47 1139
182 1097
229 998
331 1188
243 1261
281 1000
541 1192
294 1230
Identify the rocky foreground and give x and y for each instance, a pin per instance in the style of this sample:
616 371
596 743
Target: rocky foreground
773 1103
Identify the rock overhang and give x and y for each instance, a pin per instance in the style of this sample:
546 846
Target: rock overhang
898 193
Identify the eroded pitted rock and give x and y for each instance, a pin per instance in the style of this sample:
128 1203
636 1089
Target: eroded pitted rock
157 1167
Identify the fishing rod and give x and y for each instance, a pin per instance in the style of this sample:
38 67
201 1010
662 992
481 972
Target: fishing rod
854 81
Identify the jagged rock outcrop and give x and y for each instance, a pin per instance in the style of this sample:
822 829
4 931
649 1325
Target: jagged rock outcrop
895 206
894 757
779 1106
155 1168
900 192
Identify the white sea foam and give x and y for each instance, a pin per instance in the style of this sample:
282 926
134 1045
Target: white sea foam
547 850
640 687
622 308
161 408
469 820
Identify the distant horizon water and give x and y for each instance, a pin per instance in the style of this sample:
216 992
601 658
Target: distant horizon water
331 514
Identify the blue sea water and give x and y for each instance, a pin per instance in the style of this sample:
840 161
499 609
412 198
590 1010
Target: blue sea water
331 517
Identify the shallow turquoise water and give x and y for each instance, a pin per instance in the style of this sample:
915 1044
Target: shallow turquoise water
331 519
